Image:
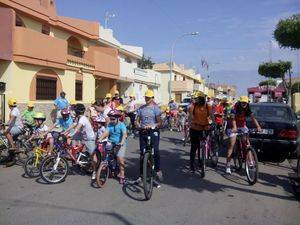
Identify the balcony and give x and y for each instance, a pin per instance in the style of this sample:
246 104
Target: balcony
182 86
33 47
146 76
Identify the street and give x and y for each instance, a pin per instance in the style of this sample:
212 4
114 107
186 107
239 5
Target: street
184 198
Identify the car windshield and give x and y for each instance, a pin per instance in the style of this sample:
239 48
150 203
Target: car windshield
186 100
274 113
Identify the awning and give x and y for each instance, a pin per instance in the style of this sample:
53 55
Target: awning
125 80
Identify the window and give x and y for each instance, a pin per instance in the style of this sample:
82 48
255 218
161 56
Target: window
45 88
45 29
19 22
128 60
78 90
74 47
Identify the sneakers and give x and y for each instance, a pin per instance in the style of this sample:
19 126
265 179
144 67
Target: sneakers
228 170
138 181
94 175
156 184
159 176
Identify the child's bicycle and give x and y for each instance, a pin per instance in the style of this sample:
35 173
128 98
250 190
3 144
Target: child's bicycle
32 164
109 165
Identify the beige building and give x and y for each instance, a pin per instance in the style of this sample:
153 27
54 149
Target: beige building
183 81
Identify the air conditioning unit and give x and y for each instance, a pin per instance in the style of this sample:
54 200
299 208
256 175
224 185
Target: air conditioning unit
2 87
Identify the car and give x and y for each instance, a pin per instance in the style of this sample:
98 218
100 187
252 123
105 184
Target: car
280 125
185 103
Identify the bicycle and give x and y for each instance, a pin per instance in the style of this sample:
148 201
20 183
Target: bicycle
109 165
57 165
244 153
186 130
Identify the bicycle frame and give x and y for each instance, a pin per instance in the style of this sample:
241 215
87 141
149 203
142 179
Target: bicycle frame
242 143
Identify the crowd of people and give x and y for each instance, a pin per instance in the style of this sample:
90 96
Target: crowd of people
110 119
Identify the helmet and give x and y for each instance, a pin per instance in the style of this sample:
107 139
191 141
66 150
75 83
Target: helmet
30 104
115 113
244 99
79 109
100 119
149 93
73 102
180 109
172 99
120 108
199 94
108 95
117 92
12 102
39 116
65 113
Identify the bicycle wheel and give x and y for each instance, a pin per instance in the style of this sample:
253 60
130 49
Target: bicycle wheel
102 174
251 166
202 160
148 175
32 167
214 152
22 153
53 175
237 159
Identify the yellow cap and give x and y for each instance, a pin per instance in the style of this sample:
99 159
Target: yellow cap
149 93
132 95
108 95
30 104
117 92
73 102
244 99
172 99
180 109
199 94
120 108
12 102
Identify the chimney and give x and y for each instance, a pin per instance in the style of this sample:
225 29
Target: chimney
49 4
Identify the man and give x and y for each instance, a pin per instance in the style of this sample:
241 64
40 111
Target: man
108 100
149 117
61 103
172 104
28 114
131 110
117 100
15 127
237 123
218 110
200 114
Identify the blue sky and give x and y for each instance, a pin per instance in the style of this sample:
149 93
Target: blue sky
234 35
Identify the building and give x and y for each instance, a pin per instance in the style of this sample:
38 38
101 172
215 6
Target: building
183 81
42 53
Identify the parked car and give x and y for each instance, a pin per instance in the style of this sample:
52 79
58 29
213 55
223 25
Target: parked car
280 131
185 103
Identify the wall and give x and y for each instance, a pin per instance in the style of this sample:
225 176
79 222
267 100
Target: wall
31 24
127 69
296 103
88 92
7 21
164 90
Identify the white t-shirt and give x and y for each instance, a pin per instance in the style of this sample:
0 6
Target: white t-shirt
131 106
106 111
41 130
16 113
87 128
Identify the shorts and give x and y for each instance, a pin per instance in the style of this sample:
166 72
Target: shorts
122 151
243 130
14 131
90 146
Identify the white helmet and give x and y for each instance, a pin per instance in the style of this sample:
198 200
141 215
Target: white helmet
100 119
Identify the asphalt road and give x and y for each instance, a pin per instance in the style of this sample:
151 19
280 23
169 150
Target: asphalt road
183 198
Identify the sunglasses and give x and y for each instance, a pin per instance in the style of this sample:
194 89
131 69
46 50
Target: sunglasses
112 118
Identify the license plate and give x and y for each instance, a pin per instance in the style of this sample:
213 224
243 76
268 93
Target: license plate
267 131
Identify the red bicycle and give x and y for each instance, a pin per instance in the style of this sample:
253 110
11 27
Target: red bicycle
244 153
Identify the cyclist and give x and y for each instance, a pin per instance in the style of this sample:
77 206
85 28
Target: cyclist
108 100
173 113
41 130
117 100
117 134
218 110
182 117
61 103
15 127
131 110
88 136
149 117
200 116
237 123
172 104
72 109
28 114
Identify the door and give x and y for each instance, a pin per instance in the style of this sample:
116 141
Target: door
178 98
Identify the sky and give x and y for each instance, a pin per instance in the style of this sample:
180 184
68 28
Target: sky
235 36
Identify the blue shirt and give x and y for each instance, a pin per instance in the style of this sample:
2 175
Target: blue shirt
173 105
116 132
65 124
148 114
61 103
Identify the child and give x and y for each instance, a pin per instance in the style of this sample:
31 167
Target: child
117 134
41 130
182 116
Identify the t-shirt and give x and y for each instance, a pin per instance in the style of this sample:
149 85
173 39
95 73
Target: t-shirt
117 101
131 106
182 117
219 112
116 132
61 103
100 131
65 124
173 106
28 116
92 112
41 130
148 114
200 116
87 129
18 120
240 114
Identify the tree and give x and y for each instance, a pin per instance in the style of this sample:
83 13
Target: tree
296 88
270 82
145 63
287 32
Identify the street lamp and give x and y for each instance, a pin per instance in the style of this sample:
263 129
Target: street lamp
108 15
171 58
